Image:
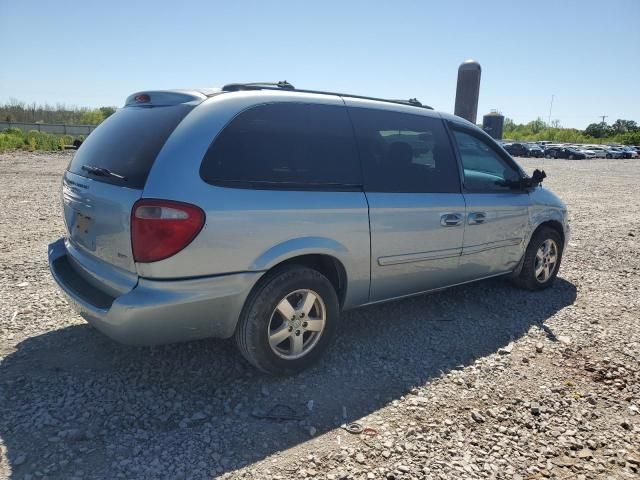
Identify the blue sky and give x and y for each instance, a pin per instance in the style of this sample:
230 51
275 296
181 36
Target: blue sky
93 53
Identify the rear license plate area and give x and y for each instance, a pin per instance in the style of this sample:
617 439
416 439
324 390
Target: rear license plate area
82 230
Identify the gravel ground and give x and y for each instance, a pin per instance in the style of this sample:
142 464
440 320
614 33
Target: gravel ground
480 381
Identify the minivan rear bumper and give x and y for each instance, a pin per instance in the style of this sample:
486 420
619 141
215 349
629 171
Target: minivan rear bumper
155 311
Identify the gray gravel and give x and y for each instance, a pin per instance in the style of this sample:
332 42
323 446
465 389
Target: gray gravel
481 381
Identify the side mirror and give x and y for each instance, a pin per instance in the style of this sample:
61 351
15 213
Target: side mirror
534 180
526 182
538 176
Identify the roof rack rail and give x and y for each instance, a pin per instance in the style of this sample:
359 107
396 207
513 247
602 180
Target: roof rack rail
284 85
234 87
412 101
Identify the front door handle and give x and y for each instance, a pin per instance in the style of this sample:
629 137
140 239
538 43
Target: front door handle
451 219
476 218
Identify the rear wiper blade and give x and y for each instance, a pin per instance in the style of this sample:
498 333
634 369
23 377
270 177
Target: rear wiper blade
104 172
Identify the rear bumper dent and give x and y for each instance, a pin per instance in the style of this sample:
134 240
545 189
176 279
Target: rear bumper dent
156 312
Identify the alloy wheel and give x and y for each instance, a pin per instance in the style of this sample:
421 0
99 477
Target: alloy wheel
546 260
297 324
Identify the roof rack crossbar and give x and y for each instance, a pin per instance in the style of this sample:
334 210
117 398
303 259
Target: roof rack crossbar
234 87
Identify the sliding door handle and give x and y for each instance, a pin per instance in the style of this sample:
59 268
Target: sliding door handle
451 219
476 218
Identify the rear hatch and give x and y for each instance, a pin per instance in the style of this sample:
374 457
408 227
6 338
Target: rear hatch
107 176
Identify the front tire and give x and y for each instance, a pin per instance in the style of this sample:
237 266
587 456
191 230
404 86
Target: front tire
288 320
541 260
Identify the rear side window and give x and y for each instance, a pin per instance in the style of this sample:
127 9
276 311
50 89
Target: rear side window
285 145
404 153
126 144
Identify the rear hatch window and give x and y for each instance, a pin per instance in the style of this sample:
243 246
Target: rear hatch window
121 151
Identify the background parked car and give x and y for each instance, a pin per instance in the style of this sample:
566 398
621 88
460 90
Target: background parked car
535 150
565 152
552 146
523 150
587 151
629 152
516 149
551 151
601 152
614 153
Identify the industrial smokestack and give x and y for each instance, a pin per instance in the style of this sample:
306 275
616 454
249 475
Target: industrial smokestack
468 90
493 124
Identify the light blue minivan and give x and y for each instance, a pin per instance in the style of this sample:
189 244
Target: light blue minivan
261 211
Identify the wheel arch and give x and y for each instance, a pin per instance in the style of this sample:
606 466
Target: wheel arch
554 225
329 266
318 253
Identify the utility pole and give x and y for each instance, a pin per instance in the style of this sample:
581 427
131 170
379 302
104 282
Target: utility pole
603 117
550 107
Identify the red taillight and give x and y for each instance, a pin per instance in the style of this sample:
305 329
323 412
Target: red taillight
161 228
142 98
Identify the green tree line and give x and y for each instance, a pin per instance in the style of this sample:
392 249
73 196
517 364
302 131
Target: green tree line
625 132
17 111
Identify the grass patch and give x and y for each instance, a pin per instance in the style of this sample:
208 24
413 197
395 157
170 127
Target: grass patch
16 139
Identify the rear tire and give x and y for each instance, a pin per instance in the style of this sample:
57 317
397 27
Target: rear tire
540 267
275 312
